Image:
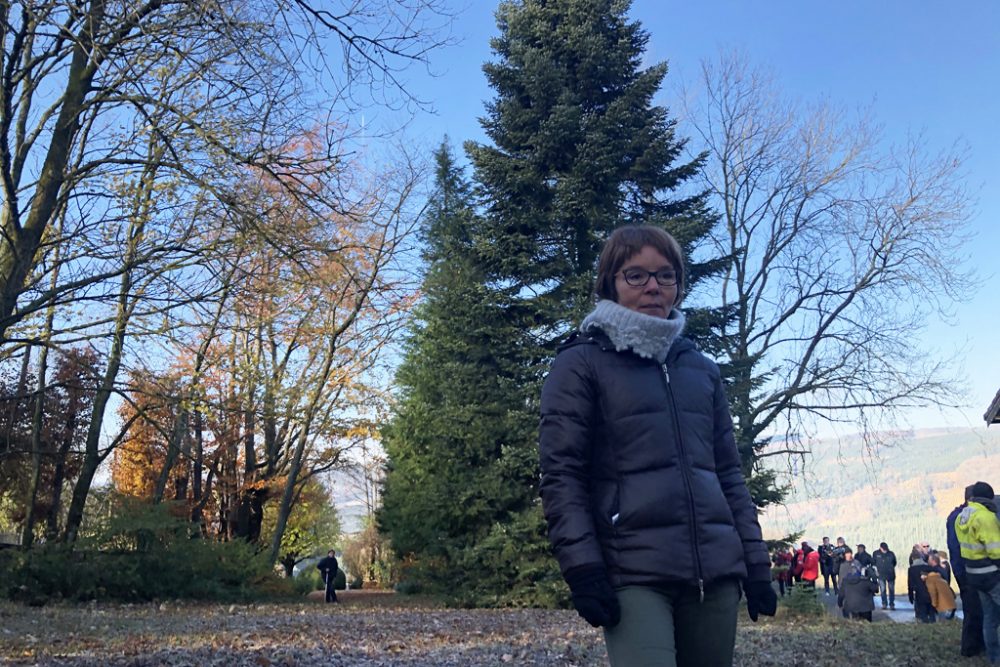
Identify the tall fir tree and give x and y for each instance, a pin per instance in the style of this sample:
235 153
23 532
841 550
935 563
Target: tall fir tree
578 149
450 478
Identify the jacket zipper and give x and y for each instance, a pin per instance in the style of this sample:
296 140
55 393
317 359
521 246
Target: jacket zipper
685 474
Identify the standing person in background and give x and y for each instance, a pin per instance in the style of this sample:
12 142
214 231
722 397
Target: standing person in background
862 556
648 512
328 568
917 554
916 590
856 591
847 567
810 565
827 565
838 556
972 609
798 558
782 568
884 561
978 533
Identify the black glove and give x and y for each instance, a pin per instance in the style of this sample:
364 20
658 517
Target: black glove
761 599
593 596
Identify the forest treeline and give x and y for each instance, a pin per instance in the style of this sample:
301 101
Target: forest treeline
205 275
901 496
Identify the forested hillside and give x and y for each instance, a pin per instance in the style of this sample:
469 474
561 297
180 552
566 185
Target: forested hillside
900 494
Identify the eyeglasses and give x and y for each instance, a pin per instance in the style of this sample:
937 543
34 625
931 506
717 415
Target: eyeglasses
637 277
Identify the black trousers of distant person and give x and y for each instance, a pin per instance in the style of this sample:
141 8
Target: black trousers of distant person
972 619
331 591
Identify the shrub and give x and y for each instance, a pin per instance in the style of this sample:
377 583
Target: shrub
803 602
142 553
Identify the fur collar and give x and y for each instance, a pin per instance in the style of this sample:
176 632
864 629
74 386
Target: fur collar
647 336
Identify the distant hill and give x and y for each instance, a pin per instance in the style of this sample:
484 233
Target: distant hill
900 494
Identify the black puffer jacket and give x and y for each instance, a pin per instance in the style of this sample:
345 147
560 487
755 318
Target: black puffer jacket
640 471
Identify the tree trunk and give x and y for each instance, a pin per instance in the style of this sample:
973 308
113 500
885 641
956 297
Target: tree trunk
17 255
28 534
173 448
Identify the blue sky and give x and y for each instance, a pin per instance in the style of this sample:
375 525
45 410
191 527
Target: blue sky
918 66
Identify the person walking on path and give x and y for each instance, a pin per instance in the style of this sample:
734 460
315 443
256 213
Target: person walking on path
647 510
884 561
978 531
328 568
972 609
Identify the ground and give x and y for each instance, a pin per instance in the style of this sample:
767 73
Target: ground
370 628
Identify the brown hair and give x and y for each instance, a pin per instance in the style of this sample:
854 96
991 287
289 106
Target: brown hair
628 241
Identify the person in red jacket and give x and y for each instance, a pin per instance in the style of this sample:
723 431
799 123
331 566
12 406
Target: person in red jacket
795 573
810 565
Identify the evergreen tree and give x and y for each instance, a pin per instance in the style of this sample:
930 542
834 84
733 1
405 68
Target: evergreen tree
449 480
579 148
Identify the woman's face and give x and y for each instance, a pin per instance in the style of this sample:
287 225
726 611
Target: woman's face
652 298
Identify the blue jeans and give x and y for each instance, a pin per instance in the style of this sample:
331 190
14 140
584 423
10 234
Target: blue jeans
887 586
991 619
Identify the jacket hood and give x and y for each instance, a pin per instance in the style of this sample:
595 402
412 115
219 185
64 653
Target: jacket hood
988 503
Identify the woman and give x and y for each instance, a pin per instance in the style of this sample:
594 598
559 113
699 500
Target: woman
648 512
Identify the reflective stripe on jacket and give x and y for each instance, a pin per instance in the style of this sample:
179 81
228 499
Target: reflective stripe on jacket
978 531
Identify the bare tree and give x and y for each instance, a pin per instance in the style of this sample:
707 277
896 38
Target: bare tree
222 83
841 247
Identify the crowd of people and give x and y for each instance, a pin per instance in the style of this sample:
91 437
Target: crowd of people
858 577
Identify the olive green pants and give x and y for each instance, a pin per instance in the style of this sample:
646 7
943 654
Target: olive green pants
671 627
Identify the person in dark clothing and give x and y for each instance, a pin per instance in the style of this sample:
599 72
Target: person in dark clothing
827 565
328 568
916 590
798 562
648 513
972 611
847 567
884 561
856 591
862 556
939 559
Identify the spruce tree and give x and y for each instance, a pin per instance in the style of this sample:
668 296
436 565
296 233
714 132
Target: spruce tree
578 149
448 480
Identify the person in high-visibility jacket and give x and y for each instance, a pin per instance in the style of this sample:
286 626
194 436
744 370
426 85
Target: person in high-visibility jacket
978 531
